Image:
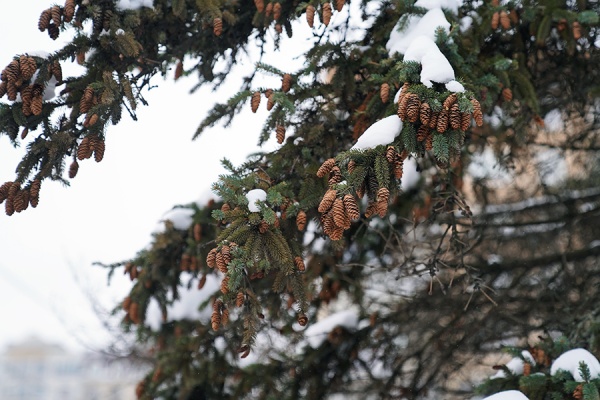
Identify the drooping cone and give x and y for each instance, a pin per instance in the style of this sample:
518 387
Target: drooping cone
239 299
24 133
425 113
383 195
3 88
335 176
215 319
402 106
73 168
53 31
269 9
327 13
255 101
276 11
44 20
339 4
99 148
514 17
37 103
477 114
225 285
429 143
9 207
302 319
390 154
450 100
339 212
279 28
507 94
11 90
422 133
455 118
384 92
310 15
217 26
21 201
270 102
327 201
197 231
87 100
299 262
28 67
504 20
351 166
351 207
34 189
56 71
465 121
398 168
495 20
286 83
211 258
280 133
84 150
225 317
178 70
442 121
326 167
301 220
4 190
413 108
260 5
69 10
56 14
577 30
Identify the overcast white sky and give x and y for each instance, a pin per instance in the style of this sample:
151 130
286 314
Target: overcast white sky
110 209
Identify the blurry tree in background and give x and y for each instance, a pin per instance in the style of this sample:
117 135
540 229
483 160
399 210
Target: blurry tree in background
312 273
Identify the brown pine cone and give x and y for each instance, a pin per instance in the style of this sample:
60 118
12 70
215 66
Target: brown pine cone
339 4
384 92
413 108
403 106
327 201
99 148
495 20
351 207
477 114
391 154
280 133
269 9
327 13
69 10
301 220
255 101
455 118
442 121
383 195
4 190
84 150
507 94
56 71
351 166
335 176
276 11
302 320
270 102
299 262
240 299
37 103
422 133
73 169
425 113
398 168
339 212
211 258
44 20
56 14
450 100
217 26
35 187
465 121
260 5
53 31
87 100
326 167
178 70
429 142
504 20
28 66
286 83
310 15
3 90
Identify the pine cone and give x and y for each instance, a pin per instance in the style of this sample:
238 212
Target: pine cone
526 369
4 190
442 121
279 28
302 320
327 200
280 133
450 100
225 285
335 176
351 166
35 187
225 207
301 220
390 154
270 102
263 227
327 11
384 92
56 14
217 26
56 71
577 33
465 121
12 72
276 11
44 20
286 83
27 66
260 5
99 148
339 4
24 133
327 223
339 212
403 106
578 392
21 200
215 320
134 313
477 114
255 101
310 15
14 188
361 190
429 143
326 167
422 133
178 70
9 207
371 209
299 264
455 118
73 168
53 31
351 207
514 17
495 20
69 10
383 195
398 168
425 113
211 258
2 88
87 100
269 9
413 107
84 150
240 299
507 94
37 103
504 20
225 317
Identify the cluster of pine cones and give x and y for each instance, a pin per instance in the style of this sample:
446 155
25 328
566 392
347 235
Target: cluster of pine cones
326 12
16 79
51 19
18 199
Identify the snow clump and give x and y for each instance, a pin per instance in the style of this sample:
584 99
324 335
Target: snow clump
253 196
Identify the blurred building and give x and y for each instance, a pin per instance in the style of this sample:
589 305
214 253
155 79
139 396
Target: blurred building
36 370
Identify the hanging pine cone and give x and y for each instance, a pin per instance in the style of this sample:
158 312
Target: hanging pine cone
263 227
217 26
301 220
335 176
53 31
87 100
215 320
455 118
339 4
279 28
84 150
286 83
276 11
37 103
178 70
504 20
19 201
225 285
327 201
211 258
56 71
56 14
384 92
577 33
239 299
562 25
260 5
197 232
14 188
339 212
28 67
35 187
327 13
390 154
302 320
495 20
413 108
4 190
24 133
134 313
337 233
351 207
12 72
402 106
326 167
73 169
351 166
280 133
507 94
3 88
310 15
327 223
429 143
514 17
44 20
442 121
371 209
255 101
425 113
225 317
450 100
225 207
578 392
269 9
9 207
99 148
69 10
383 195
465 121
398 168
422 133
299 262
477 114
270 102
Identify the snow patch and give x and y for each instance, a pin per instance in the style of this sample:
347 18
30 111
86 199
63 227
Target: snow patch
553 121
181 218
253 196
570 360
515 365
133 4
317 333
381 132
450 5
455 86
416 26
435 67
410 175
507 395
